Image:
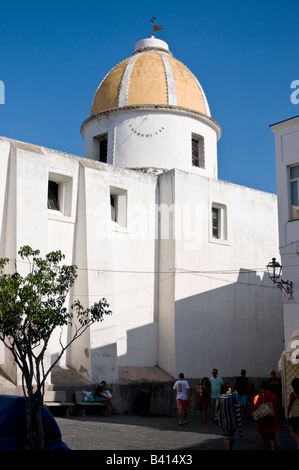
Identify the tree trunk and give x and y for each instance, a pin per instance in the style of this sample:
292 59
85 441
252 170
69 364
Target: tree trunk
35 423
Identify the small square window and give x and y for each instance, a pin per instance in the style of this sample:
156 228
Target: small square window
60 190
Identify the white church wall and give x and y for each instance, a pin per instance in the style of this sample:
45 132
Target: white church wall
61 224
78 354
166 331
120 264
31 200
114 261
25 217
226 311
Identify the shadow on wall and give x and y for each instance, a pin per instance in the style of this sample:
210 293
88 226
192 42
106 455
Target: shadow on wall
229 328
233 327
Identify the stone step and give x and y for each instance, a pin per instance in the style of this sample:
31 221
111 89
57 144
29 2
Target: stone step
61 377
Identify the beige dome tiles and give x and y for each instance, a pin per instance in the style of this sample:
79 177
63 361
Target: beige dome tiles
148 84
150 77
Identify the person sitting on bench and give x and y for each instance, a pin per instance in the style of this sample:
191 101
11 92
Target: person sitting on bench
103 395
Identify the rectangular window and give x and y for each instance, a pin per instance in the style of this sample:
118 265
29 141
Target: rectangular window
103 150
118 206
219 222
101 147
198 154
294 187
60 189
215 223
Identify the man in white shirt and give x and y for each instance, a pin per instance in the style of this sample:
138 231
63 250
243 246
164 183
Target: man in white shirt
181 393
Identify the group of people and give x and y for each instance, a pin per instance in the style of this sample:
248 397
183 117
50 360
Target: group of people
230 405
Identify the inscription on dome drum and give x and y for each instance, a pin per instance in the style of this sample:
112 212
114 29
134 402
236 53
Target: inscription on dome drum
139 133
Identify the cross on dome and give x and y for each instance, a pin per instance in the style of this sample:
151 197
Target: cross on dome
156 27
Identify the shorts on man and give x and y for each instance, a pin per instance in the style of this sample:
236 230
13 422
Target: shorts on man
182 404
243 400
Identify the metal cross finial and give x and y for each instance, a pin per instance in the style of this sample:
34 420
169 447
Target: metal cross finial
156 27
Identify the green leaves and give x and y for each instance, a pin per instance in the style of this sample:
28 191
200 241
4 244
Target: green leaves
32 306
92 314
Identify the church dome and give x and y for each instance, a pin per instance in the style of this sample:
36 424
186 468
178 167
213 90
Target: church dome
151 76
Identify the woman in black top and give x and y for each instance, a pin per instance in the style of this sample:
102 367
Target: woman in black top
241 386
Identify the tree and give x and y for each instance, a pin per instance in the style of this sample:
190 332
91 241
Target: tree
31 308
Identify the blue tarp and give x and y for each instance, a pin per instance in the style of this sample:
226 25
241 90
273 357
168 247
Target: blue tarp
13 425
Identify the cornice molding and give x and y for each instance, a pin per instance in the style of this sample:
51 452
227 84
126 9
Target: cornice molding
160 107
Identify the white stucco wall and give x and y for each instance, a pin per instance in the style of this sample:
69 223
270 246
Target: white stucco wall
114 261
121 266
226 312
287 154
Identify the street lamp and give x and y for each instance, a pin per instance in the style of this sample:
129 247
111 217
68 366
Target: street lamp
274 271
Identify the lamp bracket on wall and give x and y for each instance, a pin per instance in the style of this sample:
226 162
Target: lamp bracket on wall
274 272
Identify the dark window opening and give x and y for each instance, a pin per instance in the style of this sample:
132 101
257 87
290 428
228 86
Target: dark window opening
103 150
113 205
198 158
101 147
53 195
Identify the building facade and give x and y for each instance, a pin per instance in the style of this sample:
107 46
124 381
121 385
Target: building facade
179 254
287 170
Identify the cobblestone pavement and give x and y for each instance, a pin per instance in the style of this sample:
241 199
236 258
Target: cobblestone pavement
158 433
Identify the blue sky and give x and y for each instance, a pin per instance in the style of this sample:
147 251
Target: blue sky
53 55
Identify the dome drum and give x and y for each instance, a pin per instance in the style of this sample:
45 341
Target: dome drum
154 137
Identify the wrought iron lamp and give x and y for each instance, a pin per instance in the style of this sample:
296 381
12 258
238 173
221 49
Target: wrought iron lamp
274 272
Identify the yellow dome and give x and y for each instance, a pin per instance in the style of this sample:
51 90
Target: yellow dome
150 77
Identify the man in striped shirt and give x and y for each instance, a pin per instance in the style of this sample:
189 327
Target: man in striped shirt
229 415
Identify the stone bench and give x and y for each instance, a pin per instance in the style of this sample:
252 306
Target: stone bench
82 404
57 398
